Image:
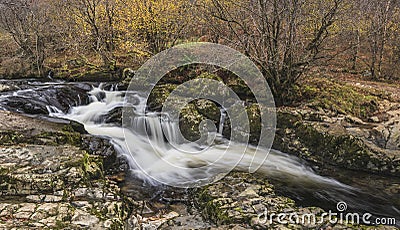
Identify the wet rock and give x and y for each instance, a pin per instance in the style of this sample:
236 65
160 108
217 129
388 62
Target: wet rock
128 73
114 117
240 88
5 88
248 121
253 113
38 101
77 127
112 163
243 199
380 135
159 95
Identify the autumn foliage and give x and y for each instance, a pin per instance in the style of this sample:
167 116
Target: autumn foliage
284 38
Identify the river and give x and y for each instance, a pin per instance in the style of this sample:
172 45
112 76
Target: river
149 154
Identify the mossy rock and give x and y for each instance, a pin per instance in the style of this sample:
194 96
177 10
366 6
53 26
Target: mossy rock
254 115
189 122
338 97
211 76
238 198
341 150
208 109
128 73
159 95
240 88
310 141
254 121
91 167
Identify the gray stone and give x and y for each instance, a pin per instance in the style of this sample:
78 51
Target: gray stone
4 88
354 120
374 119
84 219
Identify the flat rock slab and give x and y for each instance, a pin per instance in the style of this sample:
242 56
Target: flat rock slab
45 184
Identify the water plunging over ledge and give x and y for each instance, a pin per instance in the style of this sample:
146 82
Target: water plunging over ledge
291 174
148 151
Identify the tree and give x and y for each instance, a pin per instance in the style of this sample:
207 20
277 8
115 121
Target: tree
378 15
159 24
283 37
28 22
94 22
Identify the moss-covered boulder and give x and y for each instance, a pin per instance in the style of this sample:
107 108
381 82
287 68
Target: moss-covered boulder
240 88
208 109
246 200
189 122
330 143
159 95
252 116
331 95
38 102
193 113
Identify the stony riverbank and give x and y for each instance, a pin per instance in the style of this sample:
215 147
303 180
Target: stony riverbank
248 201
54 176
47 180
353 125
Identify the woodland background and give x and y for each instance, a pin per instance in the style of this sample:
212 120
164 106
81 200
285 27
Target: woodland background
285 38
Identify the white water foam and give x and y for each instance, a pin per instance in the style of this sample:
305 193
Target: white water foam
146 145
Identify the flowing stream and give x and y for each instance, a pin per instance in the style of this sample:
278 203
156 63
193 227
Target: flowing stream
145 145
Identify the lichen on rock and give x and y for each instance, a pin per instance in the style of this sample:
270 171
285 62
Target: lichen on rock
47 179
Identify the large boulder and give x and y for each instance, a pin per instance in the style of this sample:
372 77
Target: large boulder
189 122
159 95
252 116
334 141
39 100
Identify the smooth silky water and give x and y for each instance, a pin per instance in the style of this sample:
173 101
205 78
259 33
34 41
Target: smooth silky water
291 176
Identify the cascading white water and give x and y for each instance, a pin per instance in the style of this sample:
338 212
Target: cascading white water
145 145
221 121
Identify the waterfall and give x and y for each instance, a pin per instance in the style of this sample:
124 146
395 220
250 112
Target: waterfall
156 152
222 121
145 145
